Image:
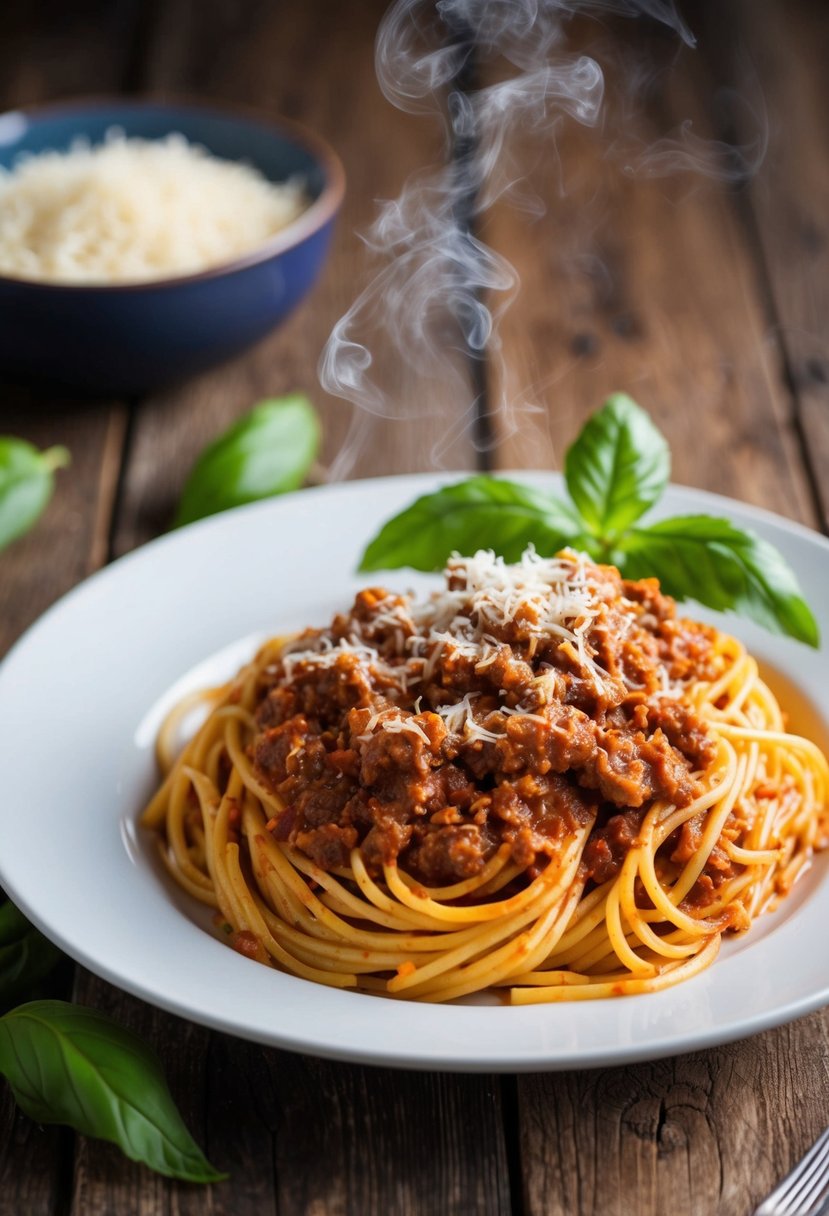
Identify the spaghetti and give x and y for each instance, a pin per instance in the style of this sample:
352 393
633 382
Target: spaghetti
539 781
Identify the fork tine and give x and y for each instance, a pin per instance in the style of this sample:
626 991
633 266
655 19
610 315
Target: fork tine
811 1194
813 1177
813 1168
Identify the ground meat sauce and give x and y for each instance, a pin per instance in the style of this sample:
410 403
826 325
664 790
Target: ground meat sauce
518 705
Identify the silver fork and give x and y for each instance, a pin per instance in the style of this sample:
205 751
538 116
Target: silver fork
805 1191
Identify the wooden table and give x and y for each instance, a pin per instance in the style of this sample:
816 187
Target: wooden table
708 302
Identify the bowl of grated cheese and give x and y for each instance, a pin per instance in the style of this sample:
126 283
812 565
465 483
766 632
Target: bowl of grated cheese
142 243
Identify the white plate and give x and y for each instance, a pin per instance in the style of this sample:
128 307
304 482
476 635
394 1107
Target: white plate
82 693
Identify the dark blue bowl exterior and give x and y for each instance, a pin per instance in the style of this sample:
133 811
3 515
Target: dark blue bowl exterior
131 340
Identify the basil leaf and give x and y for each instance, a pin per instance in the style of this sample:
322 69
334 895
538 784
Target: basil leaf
707 559
267 452
26 485
481 512
69 1064
26 956
617 468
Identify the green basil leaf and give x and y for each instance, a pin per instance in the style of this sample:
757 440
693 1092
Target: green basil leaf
69 1064
479 513
617 468
705 558
26 956
26 485
267 452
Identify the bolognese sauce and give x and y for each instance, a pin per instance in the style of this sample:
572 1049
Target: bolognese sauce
516 705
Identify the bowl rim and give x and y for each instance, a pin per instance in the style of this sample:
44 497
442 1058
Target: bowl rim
309 222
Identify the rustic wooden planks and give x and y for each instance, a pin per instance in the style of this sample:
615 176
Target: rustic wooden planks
300 1135
707 1134
48 50
614 296
646 284
274 56
773 58
260 1114
71 540
653 287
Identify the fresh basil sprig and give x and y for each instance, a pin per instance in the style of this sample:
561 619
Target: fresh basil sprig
456 517
26 956
705 558
268 451
615 471
617 468
70 1064
26 484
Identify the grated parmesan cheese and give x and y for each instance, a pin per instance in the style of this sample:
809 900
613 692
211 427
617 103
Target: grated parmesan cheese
393 724
542 597
132 210
537 599
327 655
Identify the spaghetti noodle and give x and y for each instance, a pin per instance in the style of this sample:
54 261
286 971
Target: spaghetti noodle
539 781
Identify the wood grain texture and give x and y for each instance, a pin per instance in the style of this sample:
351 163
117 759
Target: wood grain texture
46 52
406 1143
707 1134
785 201
50 50
70 540
35 1163
646 284
629 282
301 1136
652 286
264 1115
105 1181
313 63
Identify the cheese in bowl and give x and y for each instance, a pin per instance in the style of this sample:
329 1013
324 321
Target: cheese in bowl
133 210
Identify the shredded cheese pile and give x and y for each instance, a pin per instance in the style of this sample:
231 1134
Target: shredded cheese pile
537 599
541 597
132 210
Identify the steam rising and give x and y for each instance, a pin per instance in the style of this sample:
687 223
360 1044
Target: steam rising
439 292
687 152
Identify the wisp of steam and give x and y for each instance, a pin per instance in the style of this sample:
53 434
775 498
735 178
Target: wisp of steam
440 291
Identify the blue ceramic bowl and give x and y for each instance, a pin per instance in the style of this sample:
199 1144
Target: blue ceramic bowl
128 339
